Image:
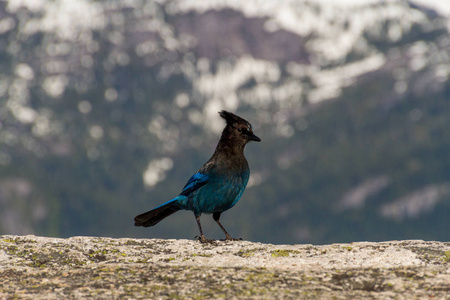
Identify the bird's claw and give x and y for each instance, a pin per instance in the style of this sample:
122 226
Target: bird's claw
204 240
229 238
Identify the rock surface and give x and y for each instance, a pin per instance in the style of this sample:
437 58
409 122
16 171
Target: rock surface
104 268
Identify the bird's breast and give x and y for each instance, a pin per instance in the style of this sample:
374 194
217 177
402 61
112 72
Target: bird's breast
222 192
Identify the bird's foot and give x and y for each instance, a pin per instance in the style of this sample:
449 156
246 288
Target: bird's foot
204 240
229 238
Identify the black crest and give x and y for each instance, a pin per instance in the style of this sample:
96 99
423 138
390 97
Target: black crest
231 118
238 130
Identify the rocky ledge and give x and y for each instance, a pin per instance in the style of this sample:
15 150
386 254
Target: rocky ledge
34 267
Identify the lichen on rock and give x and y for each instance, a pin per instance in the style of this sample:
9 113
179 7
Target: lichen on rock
92 267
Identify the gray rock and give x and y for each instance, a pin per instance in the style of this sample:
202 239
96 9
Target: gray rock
92 267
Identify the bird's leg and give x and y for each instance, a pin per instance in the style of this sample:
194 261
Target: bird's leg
216 217
202 238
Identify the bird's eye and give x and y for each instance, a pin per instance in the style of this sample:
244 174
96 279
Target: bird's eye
240 129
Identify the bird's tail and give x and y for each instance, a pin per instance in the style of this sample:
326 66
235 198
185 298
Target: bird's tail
154 216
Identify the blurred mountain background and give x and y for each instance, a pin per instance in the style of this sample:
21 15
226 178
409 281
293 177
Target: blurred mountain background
108 107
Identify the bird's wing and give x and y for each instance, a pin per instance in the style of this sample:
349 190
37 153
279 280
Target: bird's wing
195 182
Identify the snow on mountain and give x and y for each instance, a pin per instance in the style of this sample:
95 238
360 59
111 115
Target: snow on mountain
334 33
130 85
335 43
440 6
278 54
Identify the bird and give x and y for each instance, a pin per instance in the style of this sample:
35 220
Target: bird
218 185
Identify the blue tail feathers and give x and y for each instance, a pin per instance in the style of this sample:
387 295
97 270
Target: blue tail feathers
154 216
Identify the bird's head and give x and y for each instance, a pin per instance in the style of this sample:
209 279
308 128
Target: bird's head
238 128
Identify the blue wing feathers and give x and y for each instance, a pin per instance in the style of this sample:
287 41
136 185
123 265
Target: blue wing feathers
194 183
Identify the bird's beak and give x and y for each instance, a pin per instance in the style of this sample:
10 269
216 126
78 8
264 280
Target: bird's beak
253 137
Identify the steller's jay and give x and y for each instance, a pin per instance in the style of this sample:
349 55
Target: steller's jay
218 184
